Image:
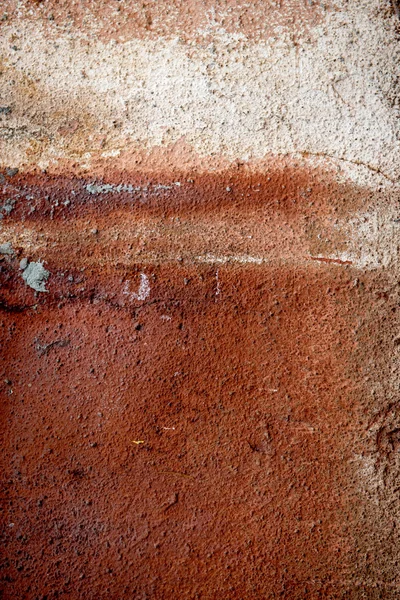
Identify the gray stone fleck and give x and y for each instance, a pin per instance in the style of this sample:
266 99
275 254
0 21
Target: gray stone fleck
6 248
107 188
35 275
8 207
23 264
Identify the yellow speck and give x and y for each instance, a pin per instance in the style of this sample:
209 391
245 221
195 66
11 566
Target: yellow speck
137 442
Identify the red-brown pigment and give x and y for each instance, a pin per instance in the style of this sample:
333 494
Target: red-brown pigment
198 443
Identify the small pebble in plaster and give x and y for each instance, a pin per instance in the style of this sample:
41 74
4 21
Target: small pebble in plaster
23 264
35 275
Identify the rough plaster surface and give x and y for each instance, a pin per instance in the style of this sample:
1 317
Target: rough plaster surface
328 90
199 300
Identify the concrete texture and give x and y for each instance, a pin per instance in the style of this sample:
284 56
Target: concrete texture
199 300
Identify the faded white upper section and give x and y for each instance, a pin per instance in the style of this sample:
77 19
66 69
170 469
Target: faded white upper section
331 94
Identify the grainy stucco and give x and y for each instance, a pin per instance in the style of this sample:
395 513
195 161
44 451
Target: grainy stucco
204 403
327 91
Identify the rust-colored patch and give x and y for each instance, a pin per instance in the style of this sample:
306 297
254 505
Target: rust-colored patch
246 410
238 390
178 426
235 217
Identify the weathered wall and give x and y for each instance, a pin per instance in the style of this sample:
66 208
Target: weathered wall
199 299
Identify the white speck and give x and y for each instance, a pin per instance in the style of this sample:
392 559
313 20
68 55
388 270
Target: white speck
107 188
242 259
110 188
143 291
144 288
111 153
218 290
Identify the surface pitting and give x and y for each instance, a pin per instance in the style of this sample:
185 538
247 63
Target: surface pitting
173 419
199 296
